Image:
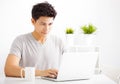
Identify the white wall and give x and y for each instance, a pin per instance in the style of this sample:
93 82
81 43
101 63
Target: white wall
109 20
15 16
108 14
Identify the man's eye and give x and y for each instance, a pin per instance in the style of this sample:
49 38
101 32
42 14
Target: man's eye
50 24
42 24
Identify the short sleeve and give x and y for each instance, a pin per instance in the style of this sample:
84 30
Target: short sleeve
62 46
16 47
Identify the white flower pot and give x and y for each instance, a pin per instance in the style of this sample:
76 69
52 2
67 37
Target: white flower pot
89 38
84 39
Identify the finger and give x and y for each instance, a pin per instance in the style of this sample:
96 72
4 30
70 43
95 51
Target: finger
54 71
51 76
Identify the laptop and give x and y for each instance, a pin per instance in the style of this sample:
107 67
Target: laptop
76 66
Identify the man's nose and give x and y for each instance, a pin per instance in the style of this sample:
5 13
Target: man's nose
46 27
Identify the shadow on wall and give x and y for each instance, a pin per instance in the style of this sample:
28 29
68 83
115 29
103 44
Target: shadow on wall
112 72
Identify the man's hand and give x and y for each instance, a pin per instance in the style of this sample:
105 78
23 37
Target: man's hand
49 73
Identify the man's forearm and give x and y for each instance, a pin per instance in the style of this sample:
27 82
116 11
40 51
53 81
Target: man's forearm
13 71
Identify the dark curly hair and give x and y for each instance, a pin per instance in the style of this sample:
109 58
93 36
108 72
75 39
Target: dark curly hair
43 9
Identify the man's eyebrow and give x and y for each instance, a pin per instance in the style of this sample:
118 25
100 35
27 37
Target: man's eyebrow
40 22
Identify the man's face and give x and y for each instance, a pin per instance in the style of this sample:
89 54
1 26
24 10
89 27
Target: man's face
43 25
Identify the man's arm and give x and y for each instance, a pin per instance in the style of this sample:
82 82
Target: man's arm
13 69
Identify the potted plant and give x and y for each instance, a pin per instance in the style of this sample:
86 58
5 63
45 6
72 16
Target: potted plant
88 29
69 35
88 35
69 31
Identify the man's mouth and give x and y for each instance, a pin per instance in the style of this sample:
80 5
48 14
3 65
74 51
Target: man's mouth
44 32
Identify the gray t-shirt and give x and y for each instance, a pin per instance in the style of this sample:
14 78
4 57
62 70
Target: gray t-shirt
34 54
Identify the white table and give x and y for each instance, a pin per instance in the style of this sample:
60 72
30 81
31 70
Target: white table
96 79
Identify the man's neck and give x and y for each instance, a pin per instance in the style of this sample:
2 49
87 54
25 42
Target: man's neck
39 38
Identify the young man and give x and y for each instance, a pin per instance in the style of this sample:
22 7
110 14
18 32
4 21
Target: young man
36 49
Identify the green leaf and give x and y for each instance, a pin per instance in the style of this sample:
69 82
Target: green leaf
88 29
69 31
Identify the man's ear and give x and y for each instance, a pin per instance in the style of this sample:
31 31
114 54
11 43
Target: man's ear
33 21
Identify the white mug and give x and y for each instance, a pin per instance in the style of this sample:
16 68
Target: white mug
29 73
